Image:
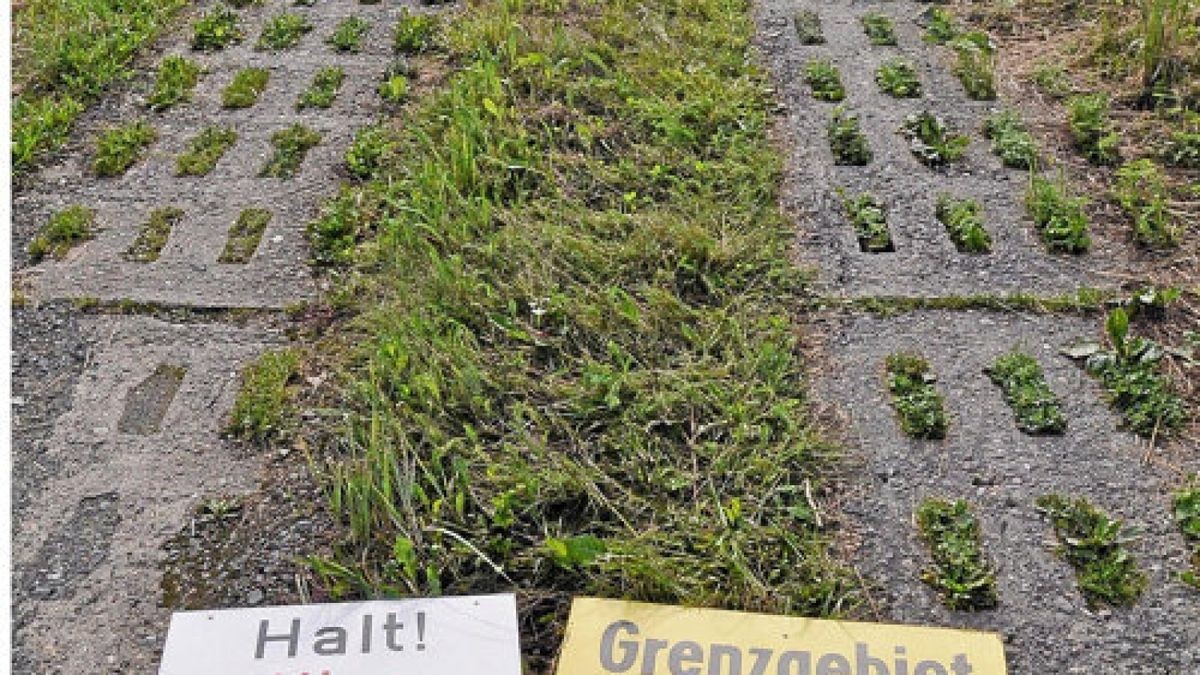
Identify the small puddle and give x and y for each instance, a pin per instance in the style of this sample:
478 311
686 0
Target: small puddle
147 403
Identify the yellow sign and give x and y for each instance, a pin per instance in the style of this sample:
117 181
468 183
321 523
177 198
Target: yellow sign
606 637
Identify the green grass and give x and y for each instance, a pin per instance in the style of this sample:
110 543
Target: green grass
824 80
1181 148
348 35
976 66
963 220
119 148
869 218
205 150
1130 373
65 54
217 29
283 31
291 146
261 413
918 404
247 85
1092 129
880 28
898 78
177 77
564 329
932 142
1037 408
960 571
1141 190
245 236
372 148
1011 140
323 90
1186 507
71 226
153 235
415 33
808 27
942 28
1092 543
394 89
1060 217
847 140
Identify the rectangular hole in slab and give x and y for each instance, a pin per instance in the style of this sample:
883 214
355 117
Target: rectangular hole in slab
245 236
146 404
153 235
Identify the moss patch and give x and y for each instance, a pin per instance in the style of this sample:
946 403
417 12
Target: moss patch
153 235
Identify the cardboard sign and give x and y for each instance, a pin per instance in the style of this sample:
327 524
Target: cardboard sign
434 636
605 637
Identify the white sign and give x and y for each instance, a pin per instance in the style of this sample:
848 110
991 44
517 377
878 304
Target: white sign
432 636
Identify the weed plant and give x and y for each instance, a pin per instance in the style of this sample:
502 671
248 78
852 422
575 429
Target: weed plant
567 323
1053 81
260 413
847 141
1141 190
941 27
898 78
371 149
205 150
415 33
247 85
1187 514
808 27
824 80
119 148
976 66
153 235
1021 379
1182 146
65 229
216 30
323 90
283 31
1059 217
917 402
348 35
1011 140
394 89
880 28
869 219
1130 373
932 142
177 77
1092 129
960 571
963 220
1093 544
245 236
291 146
64 55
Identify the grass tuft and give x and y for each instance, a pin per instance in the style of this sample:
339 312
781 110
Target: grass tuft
932 142
1021 379
918 404
808 27
245 236
119 148
415 33
260 413
177 77
1093 544
1141 190
880 28
283 31
960 572
1059 217
898 78
216 30
347 37
1148 404
963 220
1092 129
65 229
323 90
1187 514
247 85
153 235
205 150
847 140
824 80
869 218
941 27
976 66
291 146
1011 140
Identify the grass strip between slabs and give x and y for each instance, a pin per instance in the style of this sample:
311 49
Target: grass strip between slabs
575 369
960 571
1094 545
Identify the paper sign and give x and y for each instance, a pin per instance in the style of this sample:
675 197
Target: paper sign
434 636
607 636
